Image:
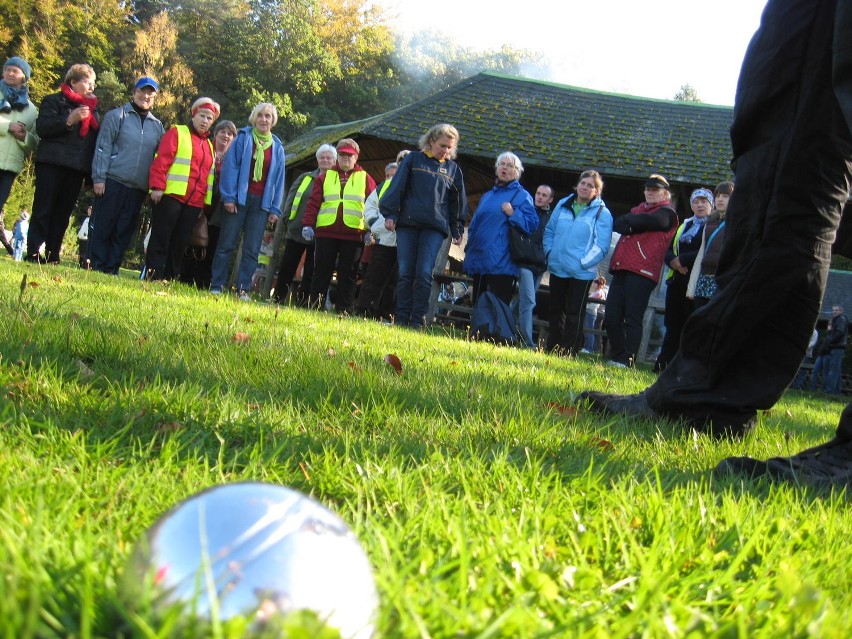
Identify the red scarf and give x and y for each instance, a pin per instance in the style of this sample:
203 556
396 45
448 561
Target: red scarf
89 122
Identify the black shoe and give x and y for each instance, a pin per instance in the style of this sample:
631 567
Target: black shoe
824 466
635 405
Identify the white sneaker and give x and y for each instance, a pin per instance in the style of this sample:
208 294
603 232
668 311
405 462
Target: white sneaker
245 297
584 351
612 362
215 291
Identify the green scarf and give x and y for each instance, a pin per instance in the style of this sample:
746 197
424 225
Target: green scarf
261 143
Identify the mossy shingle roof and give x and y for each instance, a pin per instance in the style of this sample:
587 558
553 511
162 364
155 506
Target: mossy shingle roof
557 126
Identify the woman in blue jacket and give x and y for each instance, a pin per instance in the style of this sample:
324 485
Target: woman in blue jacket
576 239
487 256
252 188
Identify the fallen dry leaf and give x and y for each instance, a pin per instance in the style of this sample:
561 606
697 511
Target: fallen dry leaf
331 352
565 411
393 361
603 444
169 427
33 285
354 367
241 338
56 278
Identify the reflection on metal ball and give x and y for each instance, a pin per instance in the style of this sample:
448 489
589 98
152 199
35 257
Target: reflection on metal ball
254 551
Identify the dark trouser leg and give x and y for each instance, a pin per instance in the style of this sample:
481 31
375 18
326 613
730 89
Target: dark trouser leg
164 220
678 308
380 273
793 149
56 191
325 259
556 311
180 240
502 286
575 311
7 178
348 257
290 259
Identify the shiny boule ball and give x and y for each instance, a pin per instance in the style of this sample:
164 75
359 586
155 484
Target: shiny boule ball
255 551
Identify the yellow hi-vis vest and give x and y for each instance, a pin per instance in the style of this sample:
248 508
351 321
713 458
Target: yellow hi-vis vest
307 180
675 249
384 188
177 179
351 196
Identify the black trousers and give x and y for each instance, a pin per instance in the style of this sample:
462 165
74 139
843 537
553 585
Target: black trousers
290 259
197 266
171 230
567 310
625 308
678 309
343 256
793 163
56 191
377 296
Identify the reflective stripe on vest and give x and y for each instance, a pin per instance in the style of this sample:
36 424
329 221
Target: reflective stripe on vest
351 197
307 180
675 249
177 179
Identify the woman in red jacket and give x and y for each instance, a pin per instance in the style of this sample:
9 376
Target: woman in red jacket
181 182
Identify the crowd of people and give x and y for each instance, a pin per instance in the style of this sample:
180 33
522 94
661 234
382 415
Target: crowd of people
745 278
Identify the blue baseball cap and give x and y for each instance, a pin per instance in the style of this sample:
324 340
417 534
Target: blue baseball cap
145 81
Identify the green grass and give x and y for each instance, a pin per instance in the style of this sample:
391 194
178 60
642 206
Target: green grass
486 509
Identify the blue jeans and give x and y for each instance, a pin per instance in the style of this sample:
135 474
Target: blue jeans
588 326
250 220
417 249
834 376
524 303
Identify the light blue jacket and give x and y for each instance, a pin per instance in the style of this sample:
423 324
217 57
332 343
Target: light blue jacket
575 246
237 169
487 250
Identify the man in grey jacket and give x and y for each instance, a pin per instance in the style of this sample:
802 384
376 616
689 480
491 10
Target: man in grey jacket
127 142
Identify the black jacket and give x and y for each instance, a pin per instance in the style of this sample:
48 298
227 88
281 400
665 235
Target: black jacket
59 144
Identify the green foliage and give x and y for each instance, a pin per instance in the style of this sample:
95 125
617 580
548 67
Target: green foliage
687 93
488 504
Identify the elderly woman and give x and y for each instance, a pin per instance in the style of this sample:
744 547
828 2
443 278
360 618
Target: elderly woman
17 128
680 259
487 256
181 180
198 261
335 213
425 203
636 264
576 239
68 127
296 246
252 189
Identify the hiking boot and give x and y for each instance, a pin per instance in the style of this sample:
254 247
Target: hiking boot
824 466
635 405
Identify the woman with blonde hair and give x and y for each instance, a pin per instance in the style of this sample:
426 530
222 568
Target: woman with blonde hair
181 181
252 189
425 203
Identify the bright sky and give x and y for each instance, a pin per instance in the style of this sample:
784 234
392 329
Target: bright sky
625 46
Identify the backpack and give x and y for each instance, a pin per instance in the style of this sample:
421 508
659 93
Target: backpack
492 320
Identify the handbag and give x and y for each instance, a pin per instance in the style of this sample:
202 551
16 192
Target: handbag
525 250
200 233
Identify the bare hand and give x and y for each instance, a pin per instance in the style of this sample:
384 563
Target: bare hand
156 196
457 241
78 115
390 225
272 220
508 209
18 131
99 188
230 207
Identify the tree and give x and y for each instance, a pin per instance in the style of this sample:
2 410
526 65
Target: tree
687 93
